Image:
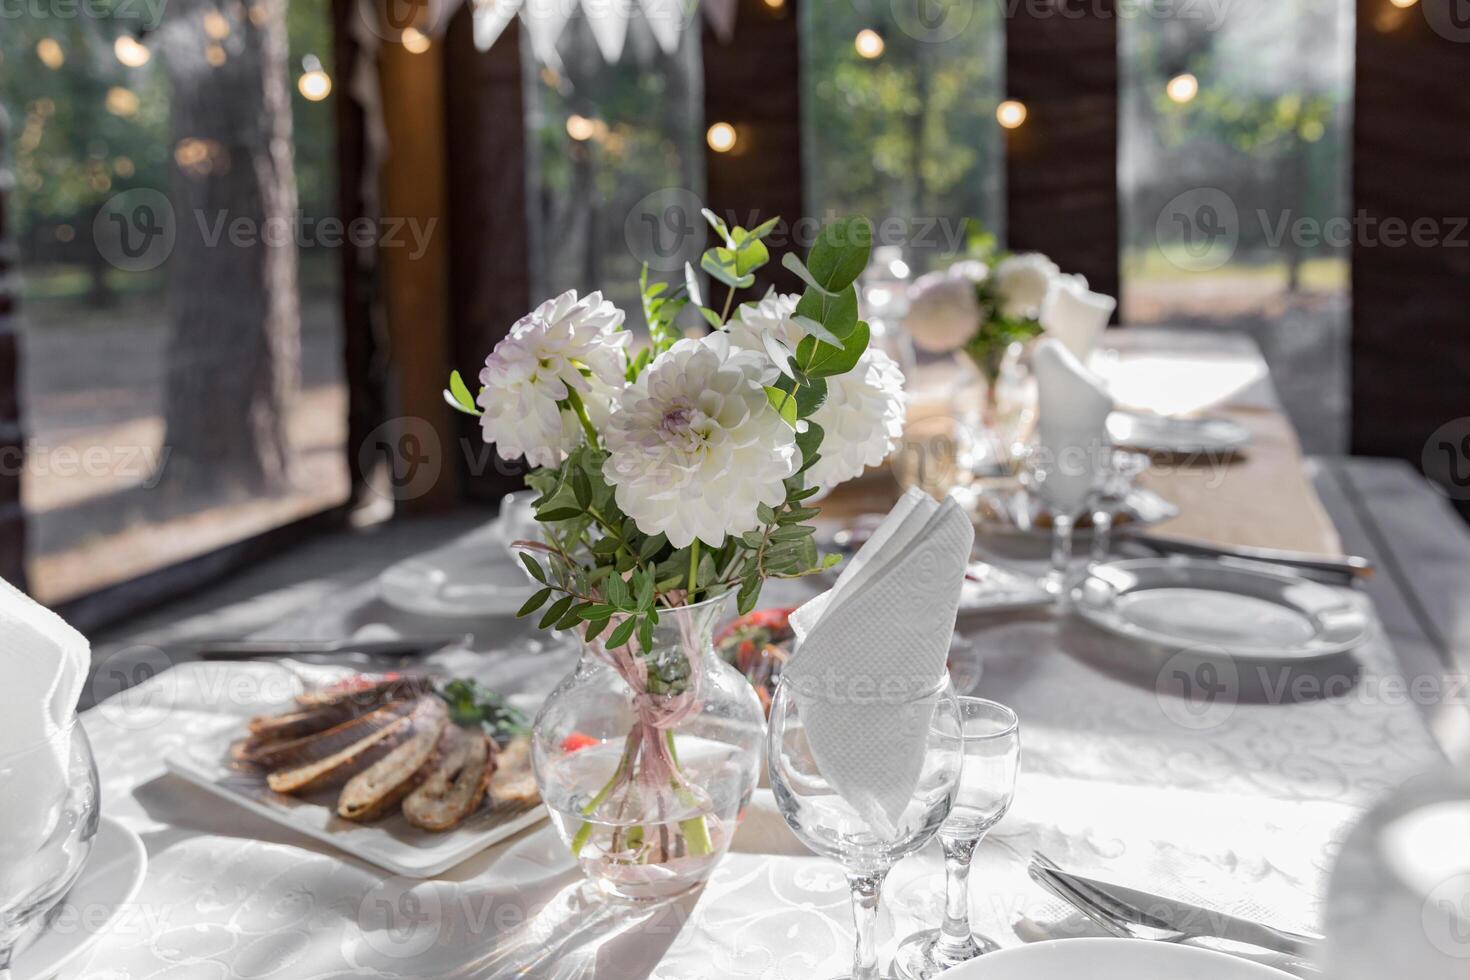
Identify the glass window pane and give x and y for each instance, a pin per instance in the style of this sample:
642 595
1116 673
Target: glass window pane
181 369
1234 145
899 114
601 138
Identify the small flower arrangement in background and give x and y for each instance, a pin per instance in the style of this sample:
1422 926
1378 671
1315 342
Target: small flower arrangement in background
991 300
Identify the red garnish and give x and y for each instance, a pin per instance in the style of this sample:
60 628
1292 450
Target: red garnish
576 742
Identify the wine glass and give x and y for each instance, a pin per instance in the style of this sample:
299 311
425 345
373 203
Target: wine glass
1116 483
854 836
1065 482
987 786
49 812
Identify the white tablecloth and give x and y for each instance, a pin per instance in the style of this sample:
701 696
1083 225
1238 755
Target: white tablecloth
1241 807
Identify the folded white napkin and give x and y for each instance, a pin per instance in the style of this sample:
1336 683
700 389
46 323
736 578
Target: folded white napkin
44 662
1076 315
871 653
1073 405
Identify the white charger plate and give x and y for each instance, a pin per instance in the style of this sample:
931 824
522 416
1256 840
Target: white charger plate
1242 609
109 881
1110 959
1162 433
391 843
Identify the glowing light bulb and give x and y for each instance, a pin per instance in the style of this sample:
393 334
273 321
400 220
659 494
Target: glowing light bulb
869 43
130 52
721 137
50 53
1182 88
1403 4
416 41
216 26
1010 113
314 84
775 4
122 102
580 128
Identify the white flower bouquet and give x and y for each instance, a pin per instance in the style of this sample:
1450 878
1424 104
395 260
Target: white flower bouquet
670 475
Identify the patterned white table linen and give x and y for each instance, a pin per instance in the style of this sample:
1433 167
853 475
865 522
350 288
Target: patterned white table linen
1240 805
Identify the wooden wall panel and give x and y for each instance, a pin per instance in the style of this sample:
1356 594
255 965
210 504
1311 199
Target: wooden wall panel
12 441
489 270
1411 299
753 82
1062 163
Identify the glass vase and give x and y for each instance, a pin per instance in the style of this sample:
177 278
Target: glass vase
646 759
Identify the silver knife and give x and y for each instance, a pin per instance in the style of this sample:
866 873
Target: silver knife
1158 912
402 646
1344 569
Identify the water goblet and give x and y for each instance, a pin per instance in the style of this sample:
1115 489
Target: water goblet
1116 483
832 827
987 786
1065 482
49 811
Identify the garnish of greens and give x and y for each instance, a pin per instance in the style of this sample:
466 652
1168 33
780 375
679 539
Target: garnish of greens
472 704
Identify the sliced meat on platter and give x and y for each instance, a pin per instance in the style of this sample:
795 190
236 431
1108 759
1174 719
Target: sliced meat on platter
320 710
310 748
456 784
323 764
381 786
514 783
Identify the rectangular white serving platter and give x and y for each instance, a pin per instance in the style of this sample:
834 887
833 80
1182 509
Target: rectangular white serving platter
391 843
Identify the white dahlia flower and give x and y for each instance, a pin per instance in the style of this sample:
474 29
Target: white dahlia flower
772 315
1021 282
696 447
862 419
863 415
539 364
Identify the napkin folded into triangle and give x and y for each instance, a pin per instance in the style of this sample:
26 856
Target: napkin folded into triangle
871 656
1073 406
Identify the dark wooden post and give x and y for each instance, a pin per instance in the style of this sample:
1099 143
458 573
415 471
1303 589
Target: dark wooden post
12 441
753 82
364 339
489 270
416 279
1411 252
1062 162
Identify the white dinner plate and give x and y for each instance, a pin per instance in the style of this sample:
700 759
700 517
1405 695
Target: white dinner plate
108 882
475 576
391 842
1242 609
1164 434
1110 959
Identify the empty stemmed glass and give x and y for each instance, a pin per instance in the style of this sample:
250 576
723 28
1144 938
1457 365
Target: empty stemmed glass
1113 487
1065 482
987 786
48 810
832 827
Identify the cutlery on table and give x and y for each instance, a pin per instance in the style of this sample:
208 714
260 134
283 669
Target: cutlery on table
400 646
1147 916
1326 568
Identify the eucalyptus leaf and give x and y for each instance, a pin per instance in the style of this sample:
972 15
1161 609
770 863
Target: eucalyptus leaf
784 403
840 253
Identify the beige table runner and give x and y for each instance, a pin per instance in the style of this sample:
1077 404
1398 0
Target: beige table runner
1260 497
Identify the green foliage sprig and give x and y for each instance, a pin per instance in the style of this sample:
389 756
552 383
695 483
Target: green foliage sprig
997 331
